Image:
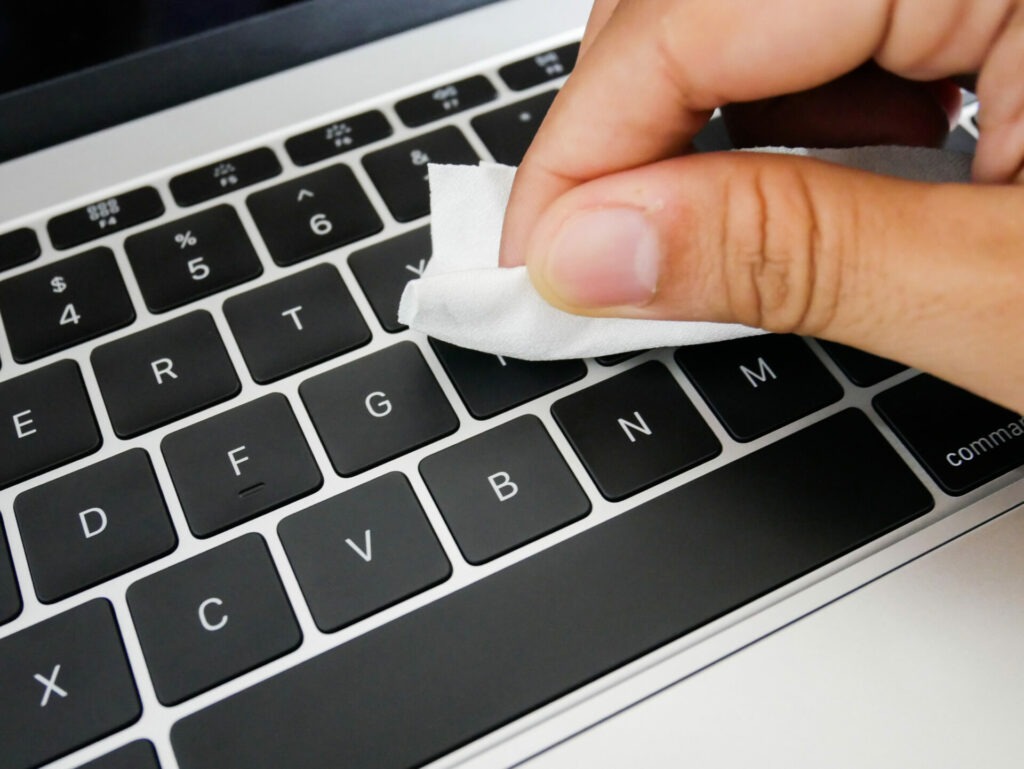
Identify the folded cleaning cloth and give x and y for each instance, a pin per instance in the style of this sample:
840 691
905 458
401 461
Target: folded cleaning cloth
465 298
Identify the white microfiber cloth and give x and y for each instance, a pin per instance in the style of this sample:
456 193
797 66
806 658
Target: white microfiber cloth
465 298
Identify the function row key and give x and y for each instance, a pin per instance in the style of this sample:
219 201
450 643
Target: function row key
337 137
541 68
54 307
104 217
190 258
18 247
445 100
225 176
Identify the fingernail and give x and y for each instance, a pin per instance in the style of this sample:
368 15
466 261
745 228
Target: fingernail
604 258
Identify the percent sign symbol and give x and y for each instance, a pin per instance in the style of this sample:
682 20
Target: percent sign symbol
185 239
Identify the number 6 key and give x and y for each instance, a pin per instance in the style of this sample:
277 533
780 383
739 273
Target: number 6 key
313 214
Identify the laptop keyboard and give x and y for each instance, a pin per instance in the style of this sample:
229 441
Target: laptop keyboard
284 461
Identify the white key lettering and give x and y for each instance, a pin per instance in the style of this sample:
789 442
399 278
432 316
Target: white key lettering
21 422
205 621
235 457
504 487
363 552
761 375
640 426
378 404
51 686
501 360
163 367
418 269
99 521
293 313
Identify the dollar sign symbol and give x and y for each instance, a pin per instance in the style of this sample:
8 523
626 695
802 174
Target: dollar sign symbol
58 284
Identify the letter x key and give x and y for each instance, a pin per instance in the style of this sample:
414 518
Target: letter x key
51 686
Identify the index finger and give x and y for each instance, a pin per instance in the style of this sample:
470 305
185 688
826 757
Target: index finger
658 68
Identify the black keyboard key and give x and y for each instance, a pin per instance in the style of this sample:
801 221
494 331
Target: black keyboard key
541 68
239 464
759 383
190 258
18 247
213 617
634 430
508 131
540 628
490 384
93 524
295 322
445 100
960 140
225 176
45 421
313 214
962 440
134 755
713 137
383 269
67 302
617 358
377 408
400 171
337 137
63 684
104 217
504 488
861 368
362 551
10 599
163 373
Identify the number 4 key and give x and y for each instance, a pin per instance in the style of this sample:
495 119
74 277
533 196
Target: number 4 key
57 306
313 214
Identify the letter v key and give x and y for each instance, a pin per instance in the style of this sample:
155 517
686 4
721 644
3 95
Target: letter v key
363 552
418 269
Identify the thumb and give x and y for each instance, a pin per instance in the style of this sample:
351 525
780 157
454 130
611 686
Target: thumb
927 274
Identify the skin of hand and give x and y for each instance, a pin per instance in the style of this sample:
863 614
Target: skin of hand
613 217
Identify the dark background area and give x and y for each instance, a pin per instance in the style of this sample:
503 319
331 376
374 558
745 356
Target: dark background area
70 68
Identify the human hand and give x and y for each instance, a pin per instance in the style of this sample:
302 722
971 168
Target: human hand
613 220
